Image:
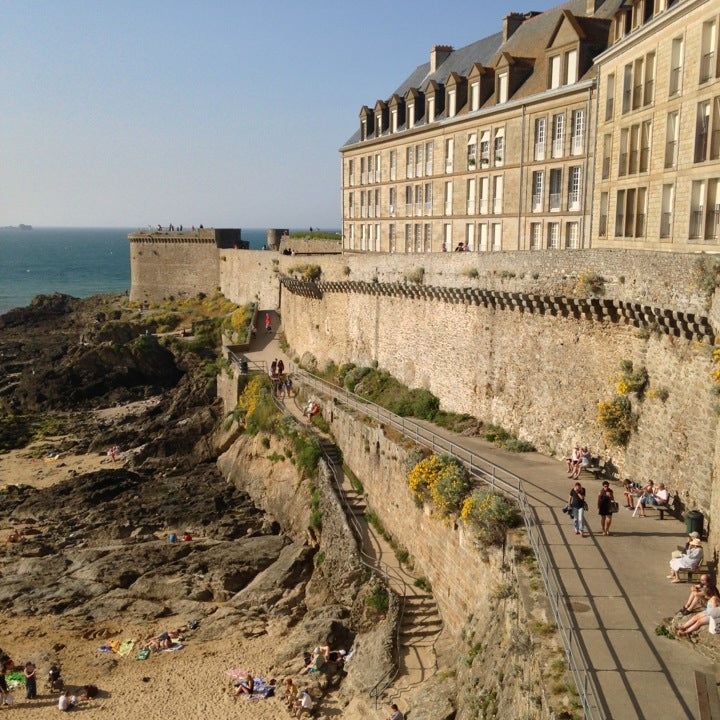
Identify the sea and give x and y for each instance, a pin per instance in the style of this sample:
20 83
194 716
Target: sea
74 261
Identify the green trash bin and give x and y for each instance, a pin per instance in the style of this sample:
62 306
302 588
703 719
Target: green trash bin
694 521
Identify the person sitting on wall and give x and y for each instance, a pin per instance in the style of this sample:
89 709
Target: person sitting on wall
689 561
711 611
697 593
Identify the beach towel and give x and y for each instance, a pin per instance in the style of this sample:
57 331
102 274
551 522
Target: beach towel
236 673
261 690
143 655
126 647
105 648
175 647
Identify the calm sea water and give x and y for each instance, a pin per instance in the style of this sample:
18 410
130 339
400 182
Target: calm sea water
75 261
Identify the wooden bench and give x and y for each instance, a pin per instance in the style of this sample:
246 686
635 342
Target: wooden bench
708 699
702 569
662 509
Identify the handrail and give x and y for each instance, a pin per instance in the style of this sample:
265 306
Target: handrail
507 482
372 564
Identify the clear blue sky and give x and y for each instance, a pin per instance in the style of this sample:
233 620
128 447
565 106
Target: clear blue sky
222 113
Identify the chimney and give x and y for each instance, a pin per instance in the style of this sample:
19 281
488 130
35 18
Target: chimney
438 55
592 6
512 21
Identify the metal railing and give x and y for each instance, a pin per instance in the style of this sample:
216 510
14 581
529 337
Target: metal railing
510 484
696 224
706 66
675 81
246 366
555 201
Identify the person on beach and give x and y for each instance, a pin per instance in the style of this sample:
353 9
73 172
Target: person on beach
30 681
304 704
66 702
605 502
6 666
245 686
290 692
576 501
395 713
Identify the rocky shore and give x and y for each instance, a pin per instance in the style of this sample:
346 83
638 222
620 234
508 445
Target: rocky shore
93 565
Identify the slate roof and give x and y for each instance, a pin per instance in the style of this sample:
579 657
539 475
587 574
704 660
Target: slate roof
528 41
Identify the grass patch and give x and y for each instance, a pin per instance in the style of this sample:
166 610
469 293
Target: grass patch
415 276
589 283
423 583
282 342
316 235
17 431
319 559
275 457
321 423
543 629
378 599
306 272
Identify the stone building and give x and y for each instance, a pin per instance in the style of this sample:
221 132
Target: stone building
657 177
493 145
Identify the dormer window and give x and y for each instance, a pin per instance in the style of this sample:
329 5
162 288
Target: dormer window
571 67
502 87
555 68
431 108
393 121
452 103
475 96
363 129
411 115
378 123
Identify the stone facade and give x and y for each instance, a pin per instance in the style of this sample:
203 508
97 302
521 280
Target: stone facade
658 162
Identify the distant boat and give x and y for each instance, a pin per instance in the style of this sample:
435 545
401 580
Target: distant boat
21 226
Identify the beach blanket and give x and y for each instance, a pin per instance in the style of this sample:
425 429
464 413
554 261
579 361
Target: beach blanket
105 648
237 673
15 679
175 647
143 655
261 690
126 647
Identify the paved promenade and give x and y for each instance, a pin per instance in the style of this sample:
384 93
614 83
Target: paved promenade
616 587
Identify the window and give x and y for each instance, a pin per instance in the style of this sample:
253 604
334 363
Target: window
408 200
428 158
558 135
671 138
352 237
484 195
363 209
428 198
571 67
418 200
447 237
411 114
496 237
475 96
607 150
697 205
497 194
351 172
676 62
470 236
499 146
431 108
409 162
377 202
623 156
602 224
610 97
634 148
378 124
418 239
666 223
578 132
470 195
702 131
539 153
378 173
427 238
620 213
392 200
363 172
645 136
449 151
351 205
572 236
537 191
627 88
637 97
708 61
448 197
371 168
712 216
483 233
452 103
555 189
363 240
392 239
555 62
408 238
535 236
393 121
472 151
553 241
649 90
574 187
418 160
393 164
485 149
630 212
502 87
363 129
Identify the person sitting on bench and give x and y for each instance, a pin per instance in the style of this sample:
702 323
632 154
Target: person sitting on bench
650 497
712 610
689 561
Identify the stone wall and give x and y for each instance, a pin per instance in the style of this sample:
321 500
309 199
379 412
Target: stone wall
309 245
160 269
539 374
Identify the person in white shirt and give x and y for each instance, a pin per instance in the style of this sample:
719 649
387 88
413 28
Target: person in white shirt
66 703
658 498
303 704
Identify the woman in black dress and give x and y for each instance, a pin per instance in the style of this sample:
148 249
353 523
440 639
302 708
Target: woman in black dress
605 500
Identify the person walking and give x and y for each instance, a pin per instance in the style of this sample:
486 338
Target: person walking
605 502
576 501
273 368
30 681
268 323
280 367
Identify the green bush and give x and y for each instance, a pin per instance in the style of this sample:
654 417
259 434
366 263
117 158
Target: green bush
490 515
320 423
378 599
415 276
307 271
501 437
423 583
316 235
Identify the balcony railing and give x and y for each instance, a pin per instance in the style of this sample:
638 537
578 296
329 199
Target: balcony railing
555 201
715 144
470 209
410 171
665 224
499 154
675 77
649 92
428 207
640 225
637 96
408 209
633 167
627 98
371 176
363 211
606 168
418 207
497 205
619 225
578 142
428 167
557 147
472 163
448 207
573 200
392 211
609 108
537 202
540 150
670 154
711 223
602 227
393 172
644 159
707 69
701 142
363 178
696 224
483 206
448 165
622 165
418 169
371 211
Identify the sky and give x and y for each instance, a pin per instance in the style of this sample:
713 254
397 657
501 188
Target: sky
230 114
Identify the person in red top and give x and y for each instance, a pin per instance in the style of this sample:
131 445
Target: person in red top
268 322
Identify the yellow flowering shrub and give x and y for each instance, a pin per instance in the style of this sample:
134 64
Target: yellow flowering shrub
716 360
617 419
255 408
440 480
489 515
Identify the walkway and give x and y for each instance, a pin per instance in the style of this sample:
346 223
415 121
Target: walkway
614 587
